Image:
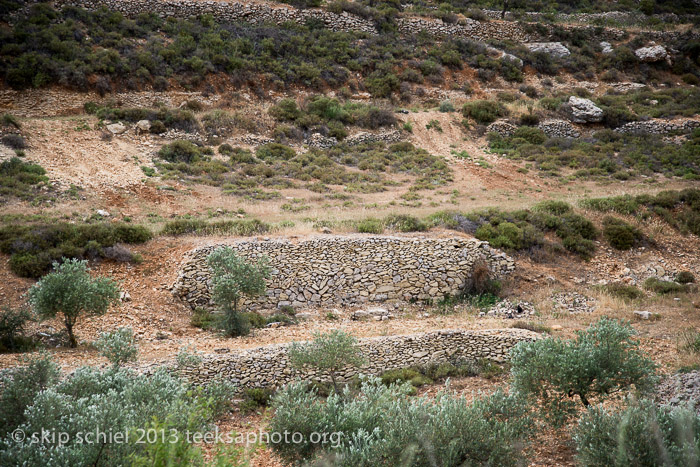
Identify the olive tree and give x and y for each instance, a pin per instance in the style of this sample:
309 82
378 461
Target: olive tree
329 352
601 361
233 277
71 292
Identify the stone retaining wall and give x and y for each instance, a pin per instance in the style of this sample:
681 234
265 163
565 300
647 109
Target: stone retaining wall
269 366
349 270
228 11
658 127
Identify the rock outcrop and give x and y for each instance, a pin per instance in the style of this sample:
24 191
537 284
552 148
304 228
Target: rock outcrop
584 110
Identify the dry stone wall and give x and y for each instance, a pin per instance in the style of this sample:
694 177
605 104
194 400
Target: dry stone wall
269 366
261 12
659 127
348 270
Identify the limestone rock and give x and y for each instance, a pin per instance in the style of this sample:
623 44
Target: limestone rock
654 53
143 126
116 128
584 110
553 49
606 47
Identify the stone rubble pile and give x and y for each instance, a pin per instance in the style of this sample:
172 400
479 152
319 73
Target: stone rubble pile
511 310
365 137
573 302
501 127
269 366
347 270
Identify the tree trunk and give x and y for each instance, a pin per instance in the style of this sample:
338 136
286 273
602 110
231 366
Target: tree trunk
71 337
505 8
335 385
584 400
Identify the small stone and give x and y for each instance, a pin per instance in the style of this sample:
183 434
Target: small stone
642 314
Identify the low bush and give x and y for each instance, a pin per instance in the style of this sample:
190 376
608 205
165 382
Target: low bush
405 223
22 180
662 287
176 119
33 248
275 152
13 326
370 225
14 141
180 151
620 234
599 362
241 227
381 426
405 375
119 347
255 398
628 293
685 277
484 111
640 434
111 401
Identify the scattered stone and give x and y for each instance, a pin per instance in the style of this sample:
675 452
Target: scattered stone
508 309
642 314
574 302
326 230
103 213
124 296
681 389
606 47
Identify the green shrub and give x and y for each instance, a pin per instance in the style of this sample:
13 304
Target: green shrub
275 152
662 287
242 227
446 106
531 135
20 386
685 277
180 151
14 141
597 363
254 398
111 401
620 234
640 434
381 426
34 248
13 324
370 225
22 179
405 223
9 120
628 293
119 347
405 375
483 111
256 320
203 319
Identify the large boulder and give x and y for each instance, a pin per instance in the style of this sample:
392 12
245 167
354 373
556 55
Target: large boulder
116 128
654 53
584 110
143 126
553 49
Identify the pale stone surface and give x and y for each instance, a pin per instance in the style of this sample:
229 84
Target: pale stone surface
554 49
654 53
584 110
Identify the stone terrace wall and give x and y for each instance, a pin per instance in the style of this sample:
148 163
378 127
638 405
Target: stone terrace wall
269 366
347 270
659 126
228 11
